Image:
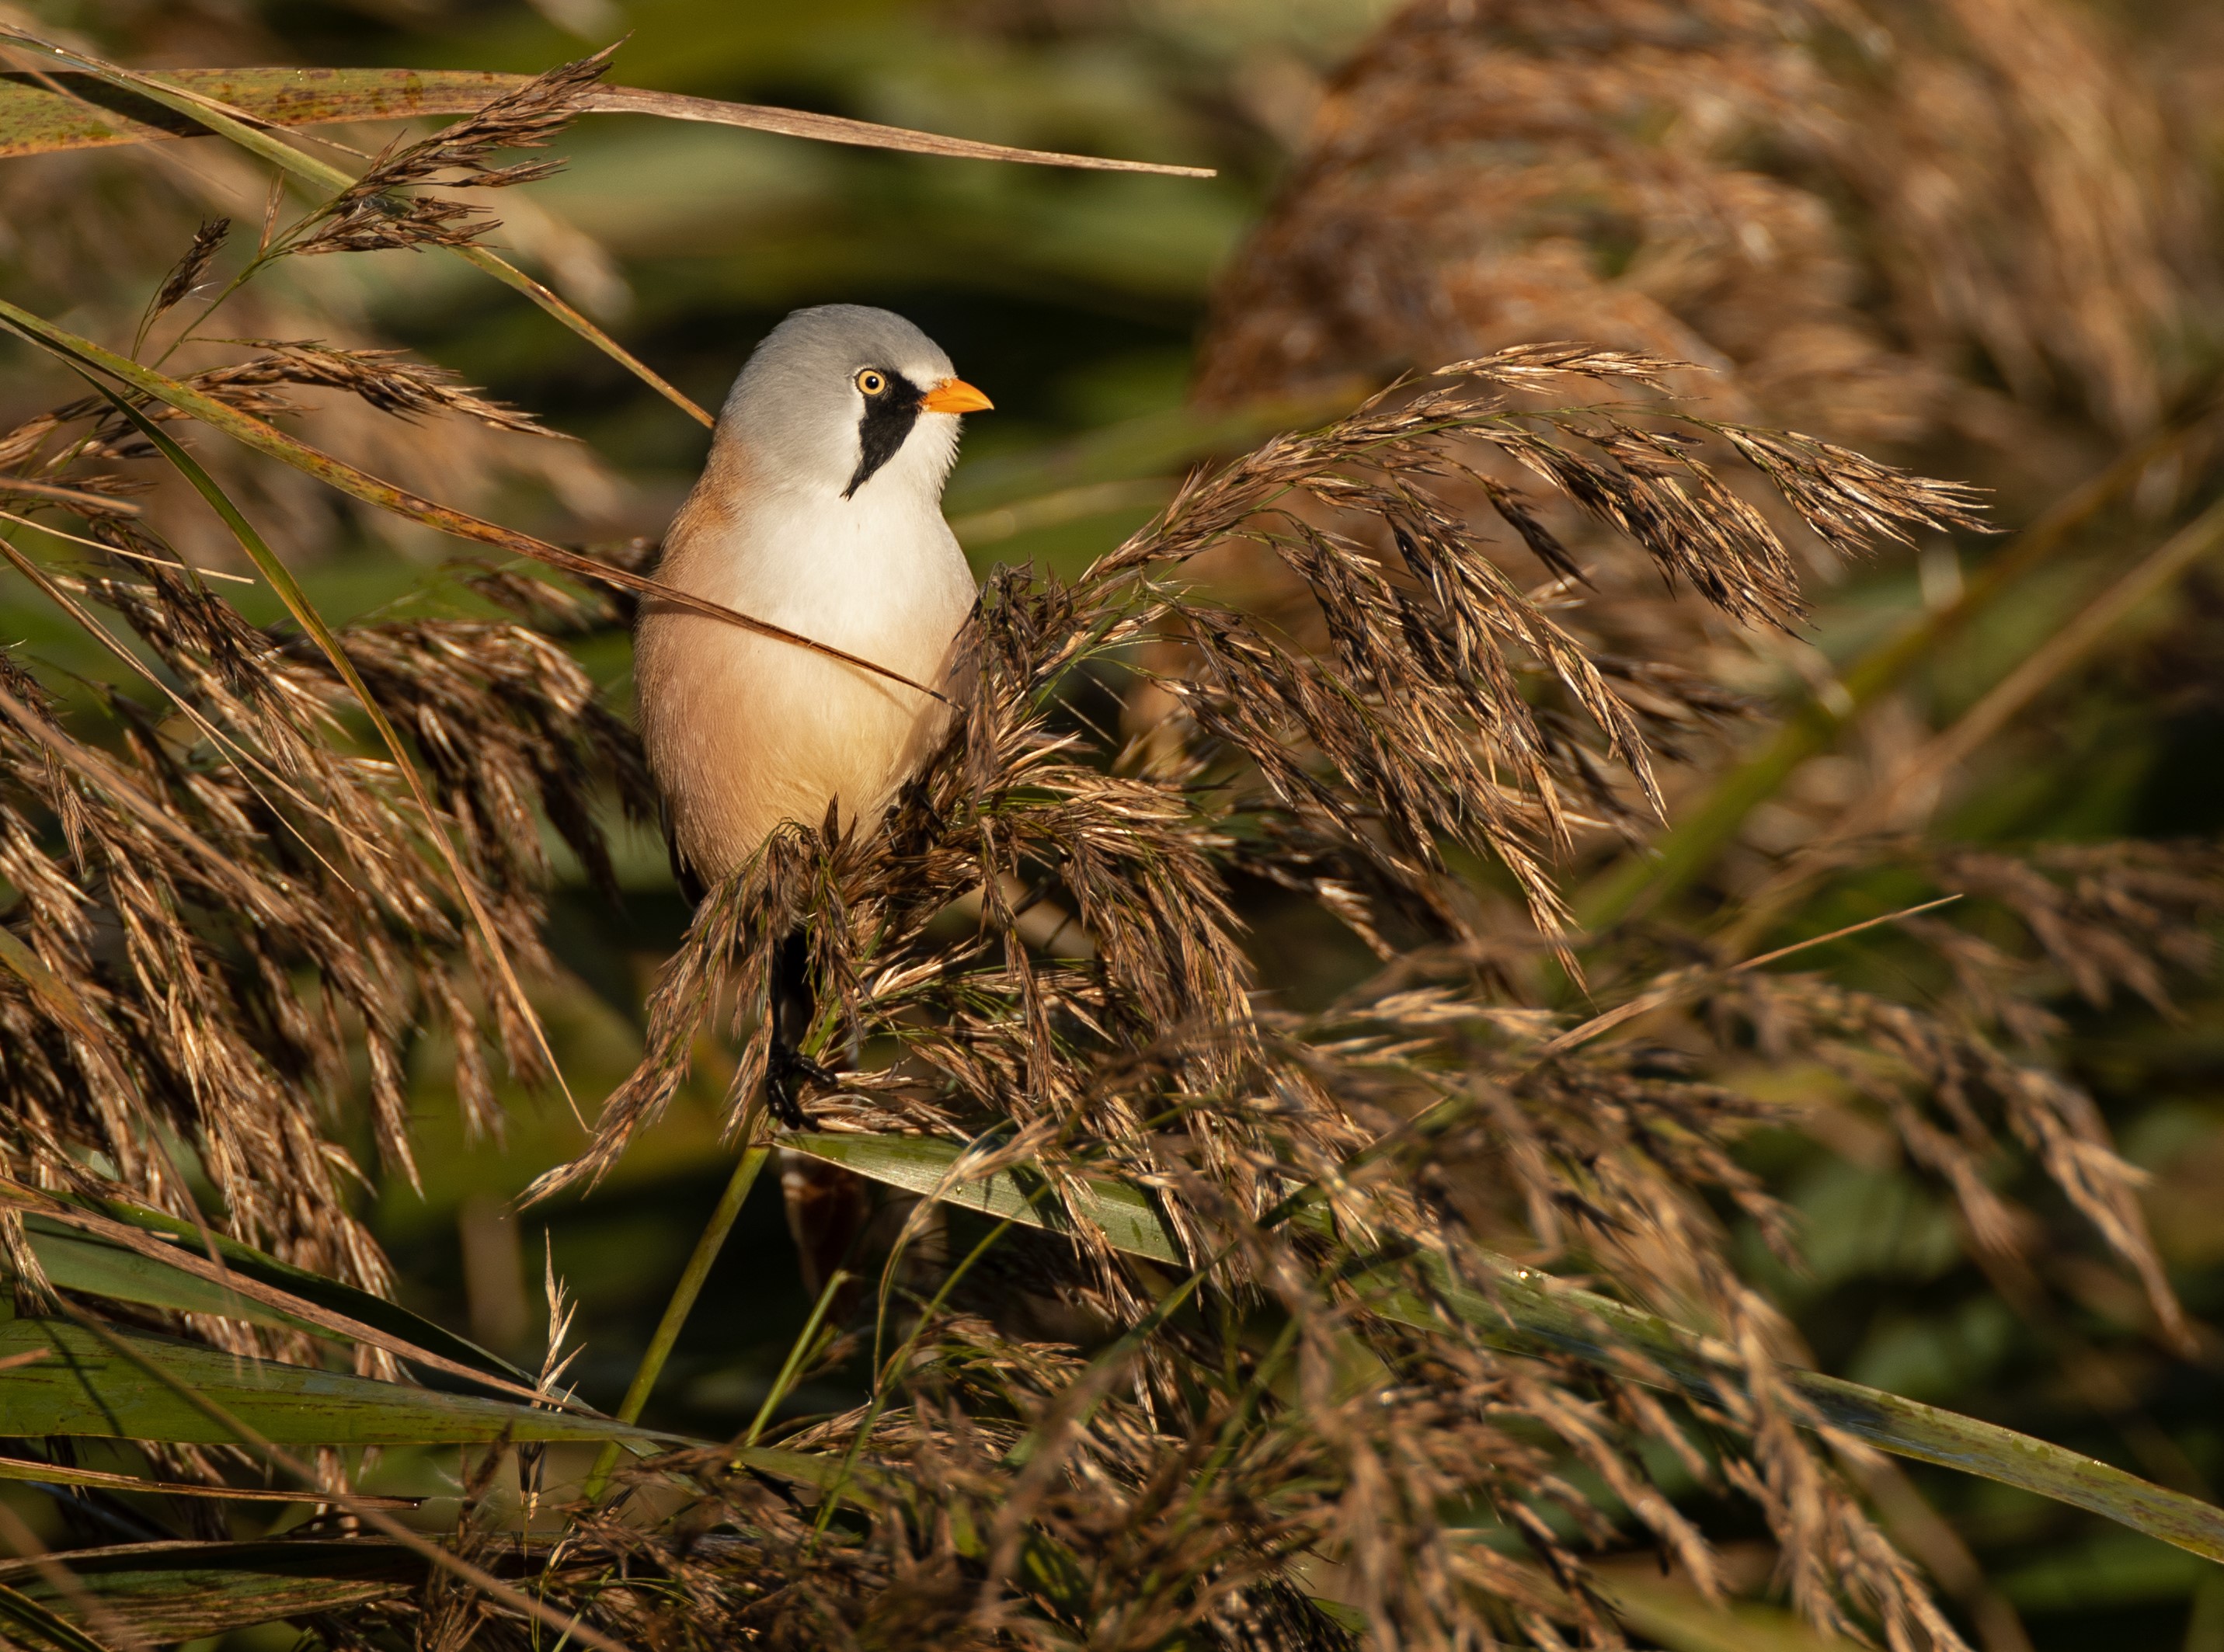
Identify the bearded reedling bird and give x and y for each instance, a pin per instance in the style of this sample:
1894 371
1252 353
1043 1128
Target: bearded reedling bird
818 510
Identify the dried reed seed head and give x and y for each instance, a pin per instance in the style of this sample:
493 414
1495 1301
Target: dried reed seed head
228 863
192 266
1836 211
1385 467
1730 183
386 379
53 448
380 210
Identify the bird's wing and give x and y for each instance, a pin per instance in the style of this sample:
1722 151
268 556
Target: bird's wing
692 887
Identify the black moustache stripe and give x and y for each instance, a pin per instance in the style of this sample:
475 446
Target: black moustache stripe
889 419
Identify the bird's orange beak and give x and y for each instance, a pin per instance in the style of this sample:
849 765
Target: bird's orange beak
955 396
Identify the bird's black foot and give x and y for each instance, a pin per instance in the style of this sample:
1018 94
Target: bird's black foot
788 1070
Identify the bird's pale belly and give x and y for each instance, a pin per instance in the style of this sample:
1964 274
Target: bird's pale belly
765 732
745 731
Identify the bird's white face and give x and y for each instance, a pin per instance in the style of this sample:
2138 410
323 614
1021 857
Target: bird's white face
849 403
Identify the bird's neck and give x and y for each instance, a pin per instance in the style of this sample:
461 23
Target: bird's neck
877 569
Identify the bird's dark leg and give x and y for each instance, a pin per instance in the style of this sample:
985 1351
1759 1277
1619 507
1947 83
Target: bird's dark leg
793 1009
787 1070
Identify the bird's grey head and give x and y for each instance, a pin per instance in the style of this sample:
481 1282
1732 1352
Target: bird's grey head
841 399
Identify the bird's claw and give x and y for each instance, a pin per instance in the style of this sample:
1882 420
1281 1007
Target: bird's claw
786 1070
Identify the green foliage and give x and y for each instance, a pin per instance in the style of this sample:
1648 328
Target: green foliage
1077 293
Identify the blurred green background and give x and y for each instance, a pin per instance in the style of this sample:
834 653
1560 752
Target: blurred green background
1075 301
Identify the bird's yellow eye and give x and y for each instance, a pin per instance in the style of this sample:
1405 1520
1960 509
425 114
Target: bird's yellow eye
872 382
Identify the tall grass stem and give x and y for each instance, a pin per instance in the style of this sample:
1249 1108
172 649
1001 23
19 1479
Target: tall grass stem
677 1310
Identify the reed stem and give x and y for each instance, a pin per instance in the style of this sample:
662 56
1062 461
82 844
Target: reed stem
677 1310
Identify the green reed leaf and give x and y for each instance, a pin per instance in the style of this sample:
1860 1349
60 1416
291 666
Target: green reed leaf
75 1263
1129 1217
30 1471
92 113
168 1591
30 1623
144 1358
242 1283
1524 1310
86 1387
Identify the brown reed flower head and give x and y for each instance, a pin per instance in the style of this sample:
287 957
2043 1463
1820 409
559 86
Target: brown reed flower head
386 207
1838 207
